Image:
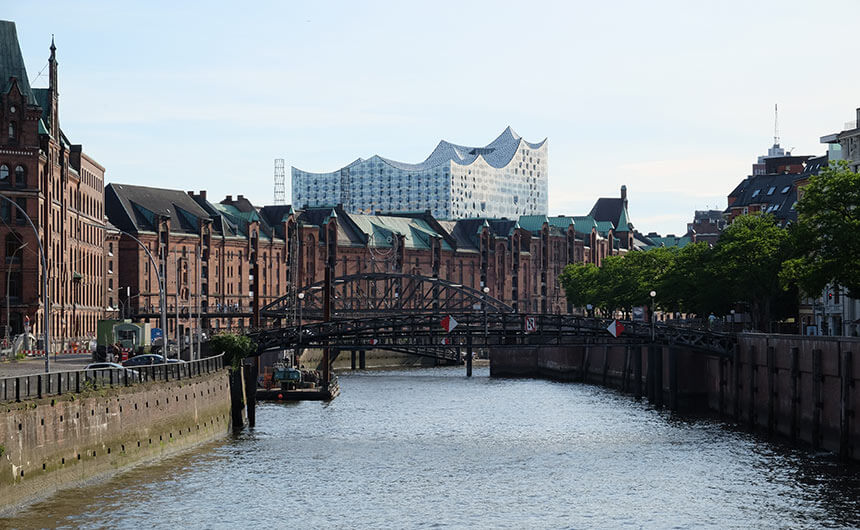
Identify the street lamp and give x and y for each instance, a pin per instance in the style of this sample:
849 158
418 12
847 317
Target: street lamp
486 291
8 273
653 314
300 296
733 320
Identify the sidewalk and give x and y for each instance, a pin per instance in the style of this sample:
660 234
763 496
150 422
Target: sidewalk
36 365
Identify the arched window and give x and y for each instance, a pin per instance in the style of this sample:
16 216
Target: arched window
4 172
20 176
11 130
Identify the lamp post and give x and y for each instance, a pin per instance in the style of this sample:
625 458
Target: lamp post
45 300
486 291
653 315
8 274
300 296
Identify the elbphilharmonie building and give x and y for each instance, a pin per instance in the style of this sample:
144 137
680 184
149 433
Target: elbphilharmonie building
505 178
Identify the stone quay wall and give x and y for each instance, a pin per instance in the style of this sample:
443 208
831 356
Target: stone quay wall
799 388
68 440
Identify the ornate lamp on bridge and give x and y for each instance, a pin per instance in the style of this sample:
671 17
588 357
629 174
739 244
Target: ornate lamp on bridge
298 353
486 291
653 315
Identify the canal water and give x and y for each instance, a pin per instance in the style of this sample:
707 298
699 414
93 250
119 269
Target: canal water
428 448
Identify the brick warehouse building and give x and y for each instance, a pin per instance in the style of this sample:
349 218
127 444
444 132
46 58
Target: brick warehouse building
216 250
61 189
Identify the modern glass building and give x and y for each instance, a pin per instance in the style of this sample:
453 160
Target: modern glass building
505 178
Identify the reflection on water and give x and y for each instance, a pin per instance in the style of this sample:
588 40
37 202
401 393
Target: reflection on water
428 447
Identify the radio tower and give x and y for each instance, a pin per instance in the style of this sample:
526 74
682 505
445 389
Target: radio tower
280 191
775 124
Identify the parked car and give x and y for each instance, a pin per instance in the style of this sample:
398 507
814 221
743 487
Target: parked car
144 360
107 366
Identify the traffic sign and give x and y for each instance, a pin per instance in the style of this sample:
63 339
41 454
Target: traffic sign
530 324
449 323
615 328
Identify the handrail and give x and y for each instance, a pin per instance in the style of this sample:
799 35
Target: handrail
36 386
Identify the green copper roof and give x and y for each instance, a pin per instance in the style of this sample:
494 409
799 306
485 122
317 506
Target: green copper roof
415 231
11 61
603 227
532 223
623 221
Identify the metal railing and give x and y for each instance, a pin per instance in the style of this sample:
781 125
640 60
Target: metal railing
38 386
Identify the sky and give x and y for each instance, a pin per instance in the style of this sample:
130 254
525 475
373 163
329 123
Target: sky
674 99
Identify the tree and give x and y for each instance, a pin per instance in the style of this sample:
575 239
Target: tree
234 347
579 281
828 232
747 260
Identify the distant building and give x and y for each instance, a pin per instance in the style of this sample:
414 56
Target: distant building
61 189
707 225
505 178
775 190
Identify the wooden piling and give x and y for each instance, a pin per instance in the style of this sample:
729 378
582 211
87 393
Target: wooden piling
795 391
605 364
583 371
361 361
673 378
625 379
771 391
637 373
352 359
721 364
658 376
469 355
816 399
736 381
753 386
846 372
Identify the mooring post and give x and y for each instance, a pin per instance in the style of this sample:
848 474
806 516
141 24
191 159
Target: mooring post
469 355
844 412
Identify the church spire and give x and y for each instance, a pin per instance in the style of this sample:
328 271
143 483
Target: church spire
52 85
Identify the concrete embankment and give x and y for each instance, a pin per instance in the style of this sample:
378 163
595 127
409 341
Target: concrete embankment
61 441
799 388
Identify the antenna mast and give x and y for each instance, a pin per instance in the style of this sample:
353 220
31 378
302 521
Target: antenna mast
280 178
775 124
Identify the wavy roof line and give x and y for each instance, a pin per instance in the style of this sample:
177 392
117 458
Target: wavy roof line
497 153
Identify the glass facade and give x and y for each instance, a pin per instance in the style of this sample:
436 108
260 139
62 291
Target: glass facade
506 178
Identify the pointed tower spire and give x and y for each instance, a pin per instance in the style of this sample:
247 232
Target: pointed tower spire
54 126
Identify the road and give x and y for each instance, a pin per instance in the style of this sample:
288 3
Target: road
36 365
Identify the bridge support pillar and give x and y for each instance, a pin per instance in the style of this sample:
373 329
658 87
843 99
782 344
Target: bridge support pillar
469 354
637 373
673 379
361 363
352 359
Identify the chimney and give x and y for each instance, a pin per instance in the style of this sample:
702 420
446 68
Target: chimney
203 194
228 199
240 197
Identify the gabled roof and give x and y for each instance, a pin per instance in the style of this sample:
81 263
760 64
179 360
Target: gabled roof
136 208
12 62
612 209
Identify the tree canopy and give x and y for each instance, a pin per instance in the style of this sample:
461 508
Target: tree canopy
828 232
234 347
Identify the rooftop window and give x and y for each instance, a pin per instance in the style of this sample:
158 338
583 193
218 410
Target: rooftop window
785 189
770 191
755 193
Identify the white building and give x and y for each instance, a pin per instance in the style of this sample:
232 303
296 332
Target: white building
505 178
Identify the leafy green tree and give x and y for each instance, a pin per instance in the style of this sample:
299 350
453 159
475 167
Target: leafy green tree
828 232
234 347
747 260
692 283
579 281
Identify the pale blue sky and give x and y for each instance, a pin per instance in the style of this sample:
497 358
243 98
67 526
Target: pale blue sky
672 98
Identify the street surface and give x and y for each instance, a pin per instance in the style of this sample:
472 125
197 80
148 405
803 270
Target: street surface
36 365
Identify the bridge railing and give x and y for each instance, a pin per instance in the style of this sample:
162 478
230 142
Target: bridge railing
480 330
37 386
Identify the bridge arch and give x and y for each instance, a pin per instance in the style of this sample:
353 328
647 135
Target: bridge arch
382 293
